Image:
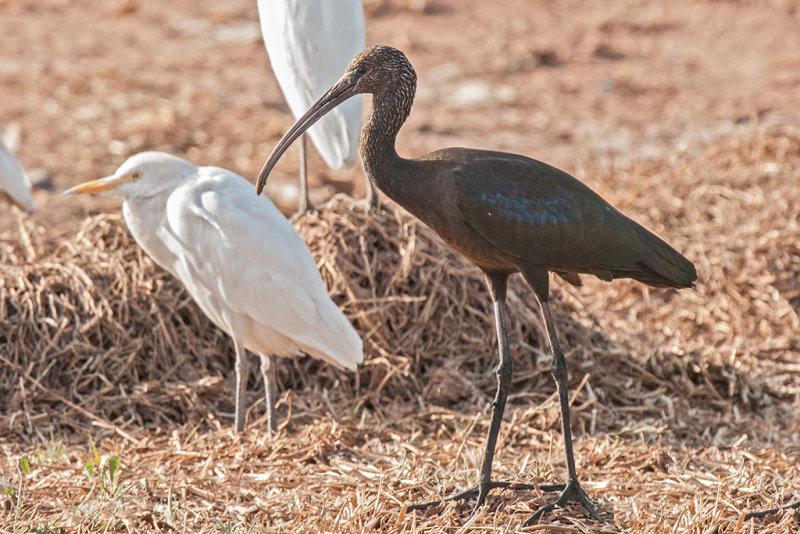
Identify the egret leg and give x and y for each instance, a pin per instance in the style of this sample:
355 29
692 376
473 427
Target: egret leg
241 383
24 238
573 490
268 375
372 197
304 202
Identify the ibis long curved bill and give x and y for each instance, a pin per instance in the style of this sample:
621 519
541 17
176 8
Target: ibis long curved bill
338 93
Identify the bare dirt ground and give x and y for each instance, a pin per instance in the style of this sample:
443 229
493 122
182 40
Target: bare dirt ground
684 114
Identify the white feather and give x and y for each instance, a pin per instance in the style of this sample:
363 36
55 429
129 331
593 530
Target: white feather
13 180
310 42
238 257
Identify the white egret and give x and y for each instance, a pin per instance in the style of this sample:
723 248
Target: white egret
14 183
239 258
309 43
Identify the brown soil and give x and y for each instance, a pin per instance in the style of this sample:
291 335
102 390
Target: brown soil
684 114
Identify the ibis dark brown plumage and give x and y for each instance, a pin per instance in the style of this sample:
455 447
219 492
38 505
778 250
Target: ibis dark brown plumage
504 212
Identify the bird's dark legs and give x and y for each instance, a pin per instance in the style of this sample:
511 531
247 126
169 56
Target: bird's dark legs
241 383
304 204
573 490
497 289
763 513
268 375
559 371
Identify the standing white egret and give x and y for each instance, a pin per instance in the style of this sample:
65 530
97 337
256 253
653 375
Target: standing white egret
309 43
239 258
14 183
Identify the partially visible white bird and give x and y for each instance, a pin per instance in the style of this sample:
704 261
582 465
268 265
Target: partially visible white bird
309 43
239 258
14 183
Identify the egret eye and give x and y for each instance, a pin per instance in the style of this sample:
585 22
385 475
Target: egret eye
136 175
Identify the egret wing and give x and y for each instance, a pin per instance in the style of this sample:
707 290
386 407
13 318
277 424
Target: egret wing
310 43
246 254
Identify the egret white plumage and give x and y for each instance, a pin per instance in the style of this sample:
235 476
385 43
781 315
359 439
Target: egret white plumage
14 182
309 42
239 258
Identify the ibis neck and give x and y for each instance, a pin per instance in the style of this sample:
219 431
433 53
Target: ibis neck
378 136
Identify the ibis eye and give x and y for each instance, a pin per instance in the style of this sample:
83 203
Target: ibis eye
136 175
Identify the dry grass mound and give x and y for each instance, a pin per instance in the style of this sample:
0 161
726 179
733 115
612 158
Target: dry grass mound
735 211
95 329
684 402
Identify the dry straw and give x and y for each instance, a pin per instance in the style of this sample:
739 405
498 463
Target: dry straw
684 402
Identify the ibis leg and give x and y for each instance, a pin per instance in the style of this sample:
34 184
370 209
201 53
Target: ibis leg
573 490
304 202
497 288
268 375
241 383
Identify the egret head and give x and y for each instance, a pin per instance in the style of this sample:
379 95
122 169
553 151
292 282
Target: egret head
143 175
377 69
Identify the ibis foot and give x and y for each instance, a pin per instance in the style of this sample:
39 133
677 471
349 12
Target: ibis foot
572 492
482 490
763 513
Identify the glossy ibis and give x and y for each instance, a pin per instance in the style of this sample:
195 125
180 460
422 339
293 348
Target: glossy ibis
205 226
309 42
504 212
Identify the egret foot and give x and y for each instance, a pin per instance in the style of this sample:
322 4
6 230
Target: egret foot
482 490
572 492
373 206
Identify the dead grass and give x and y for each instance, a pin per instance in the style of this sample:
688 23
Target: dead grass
684 402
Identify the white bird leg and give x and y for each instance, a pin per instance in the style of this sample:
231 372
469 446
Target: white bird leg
241 385
372 199
24 238
304 202
372 194
268 374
